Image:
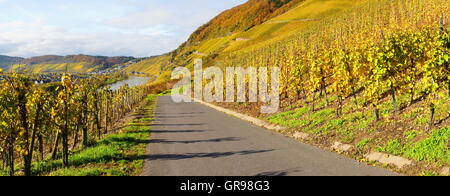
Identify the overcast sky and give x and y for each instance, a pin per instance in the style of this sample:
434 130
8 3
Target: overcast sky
137 28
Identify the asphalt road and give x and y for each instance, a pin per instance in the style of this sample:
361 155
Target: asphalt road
190 139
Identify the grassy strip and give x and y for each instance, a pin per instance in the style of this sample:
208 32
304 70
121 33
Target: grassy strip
432 149
404 134
120 154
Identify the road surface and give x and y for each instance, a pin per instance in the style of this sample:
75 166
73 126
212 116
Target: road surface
190 139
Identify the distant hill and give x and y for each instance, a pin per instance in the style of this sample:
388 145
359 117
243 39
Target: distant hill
94 60
7 61
73 63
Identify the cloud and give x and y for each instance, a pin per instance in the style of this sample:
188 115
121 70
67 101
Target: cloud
7 47
184 14
104 27
27 39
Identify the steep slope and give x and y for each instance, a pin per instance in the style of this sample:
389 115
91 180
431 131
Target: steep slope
241 18
211 38
157 66
151 65
254 24
295 20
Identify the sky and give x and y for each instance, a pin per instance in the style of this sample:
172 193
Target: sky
138 28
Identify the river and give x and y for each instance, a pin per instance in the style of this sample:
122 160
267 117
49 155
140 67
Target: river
131 81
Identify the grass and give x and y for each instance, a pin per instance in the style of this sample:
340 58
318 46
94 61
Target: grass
120 154
432 149
429 173
410 135
393 147
363 143
401 133
330 125
313 122
318 118
291 118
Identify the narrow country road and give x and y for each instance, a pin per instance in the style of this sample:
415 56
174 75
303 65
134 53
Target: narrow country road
190 139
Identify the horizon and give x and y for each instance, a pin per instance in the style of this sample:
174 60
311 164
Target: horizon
77 55
102 28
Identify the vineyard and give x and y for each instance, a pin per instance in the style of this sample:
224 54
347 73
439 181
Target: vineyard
371 73
371 67
49 121
380 48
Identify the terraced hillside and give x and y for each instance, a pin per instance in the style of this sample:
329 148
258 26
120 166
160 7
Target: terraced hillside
370 73
242 18
273 25
268 21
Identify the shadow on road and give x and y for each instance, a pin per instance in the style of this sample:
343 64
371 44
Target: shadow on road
182 113
280 173
174 116
202 155
226 139
177 125
178 131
